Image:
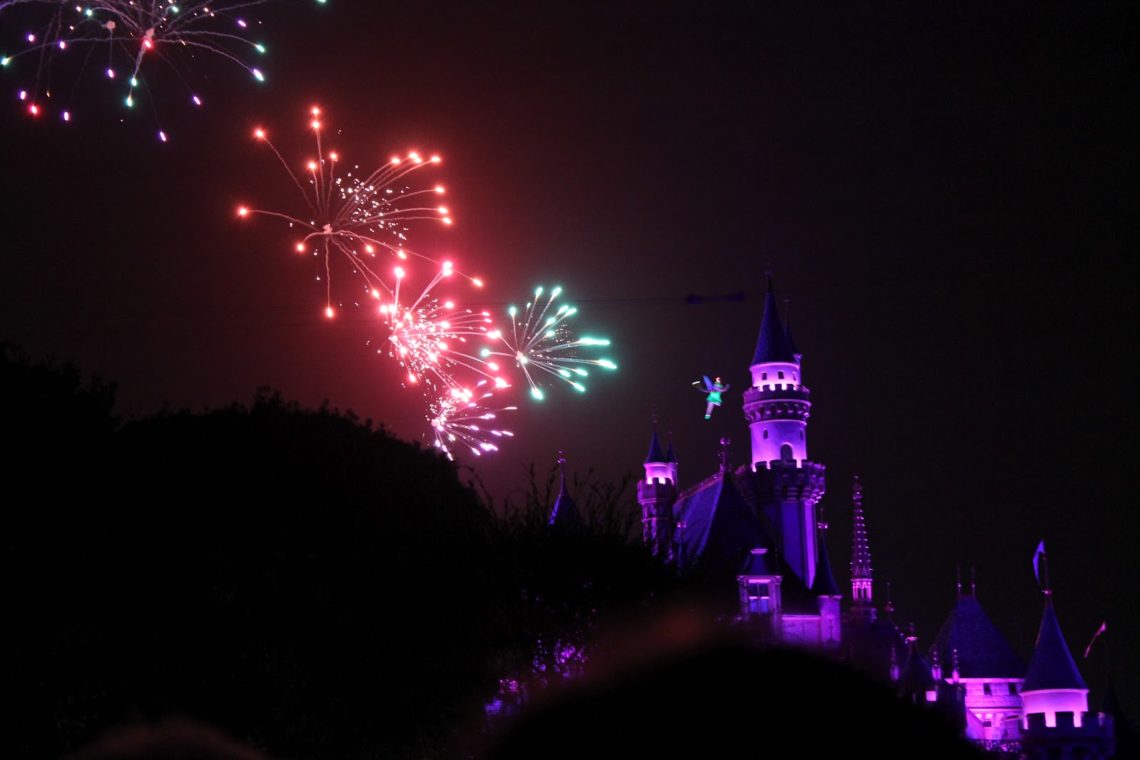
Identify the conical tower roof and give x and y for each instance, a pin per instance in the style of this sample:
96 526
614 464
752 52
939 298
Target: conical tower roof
773 344
565 514
655 453
982 650
1052 666
718 528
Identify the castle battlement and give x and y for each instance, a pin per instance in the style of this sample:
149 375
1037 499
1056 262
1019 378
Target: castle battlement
788 481
1093 739
776 391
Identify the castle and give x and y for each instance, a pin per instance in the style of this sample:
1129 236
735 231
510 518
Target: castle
754 530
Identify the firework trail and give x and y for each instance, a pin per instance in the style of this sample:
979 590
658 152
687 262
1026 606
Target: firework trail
465 417
358 216
540 343
120 37
430 337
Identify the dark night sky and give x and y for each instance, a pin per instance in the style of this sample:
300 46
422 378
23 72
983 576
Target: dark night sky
947 196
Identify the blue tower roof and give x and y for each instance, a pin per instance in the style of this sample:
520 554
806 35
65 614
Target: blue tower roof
982 651
655 454
669 455
773 344
1052 666
565 514
719 529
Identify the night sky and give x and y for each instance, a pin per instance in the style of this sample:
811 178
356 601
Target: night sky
947 196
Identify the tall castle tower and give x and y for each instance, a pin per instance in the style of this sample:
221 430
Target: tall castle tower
656 495
777 407
862 606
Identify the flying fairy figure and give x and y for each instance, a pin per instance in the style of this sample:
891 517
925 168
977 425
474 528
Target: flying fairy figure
713 388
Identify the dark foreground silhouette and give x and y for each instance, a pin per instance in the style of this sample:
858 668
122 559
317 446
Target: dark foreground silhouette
730 701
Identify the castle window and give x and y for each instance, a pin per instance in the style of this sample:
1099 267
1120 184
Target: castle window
786 453
763 375
780 375
764 435
801 435
987 689
1013 688
759 603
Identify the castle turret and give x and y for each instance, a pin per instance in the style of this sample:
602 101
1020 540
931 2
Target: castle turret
777 407
1056 721
973 654
656 495
777 404
862 606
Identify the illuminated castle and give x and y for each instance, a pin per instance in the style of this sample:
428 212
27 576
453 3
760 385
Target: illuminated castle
753 531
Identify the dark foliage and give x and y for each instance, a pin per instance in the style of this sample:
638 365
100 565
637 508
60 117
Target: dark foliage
560 586
306 583
728 700
295 577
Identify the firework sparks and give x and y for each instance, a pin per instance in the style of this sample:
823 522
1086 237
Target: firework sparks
120 38
430 337
466 417
541 343
358 216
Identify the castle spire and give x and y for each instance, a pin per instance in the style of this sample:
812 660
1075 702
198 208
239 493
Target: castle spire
565 514
773 345
861 571
1052 665
655 453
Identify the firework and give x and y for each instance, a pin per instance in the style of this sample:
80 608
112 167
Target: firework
465 417
431 337
541 343
120 38
358 216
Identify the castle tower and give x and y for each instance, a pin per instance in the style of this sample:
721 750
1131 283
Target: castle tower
973 654
656 495
1056 721
777 407
862 607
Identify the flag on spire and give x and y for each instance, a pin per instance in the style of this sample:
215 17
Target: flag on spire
1099 631
1037 555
